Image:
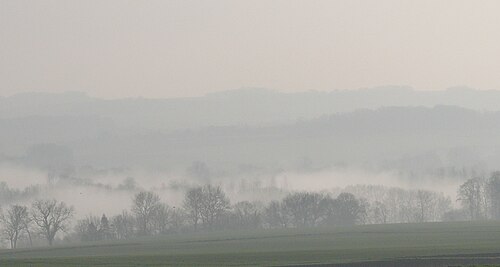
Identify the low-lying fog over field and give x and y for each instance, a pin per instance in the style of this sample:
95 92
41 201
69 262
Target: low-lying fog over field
112 191
266 133
78 148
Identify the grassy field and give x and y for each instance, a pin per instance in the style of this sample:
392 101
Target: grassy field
275 247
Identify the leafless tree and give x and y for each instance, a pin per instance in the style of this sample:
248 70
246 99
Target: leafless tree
51 217
380 212
15 221
471 195
275 215
408 210
88 228
247 215
214 205
493 193
345 209
193 204
443 205
162 218
426 201
105 232
177 219
145 206
394 202
123 225
306 208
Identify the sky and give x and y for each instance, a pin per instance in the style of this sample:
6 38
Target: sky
115 49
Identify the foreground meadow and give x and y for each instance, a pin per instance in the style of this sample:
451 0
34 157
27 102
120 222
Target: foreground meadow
372 243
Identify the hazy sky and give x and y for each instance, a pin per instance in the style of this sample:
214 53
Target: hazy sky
185 48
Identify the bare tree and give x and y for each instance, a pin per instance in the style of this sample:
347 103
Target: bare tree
275 215
426 201
145 206
408 211
471 195
364 209
214 205
493 193
105 229
192 204
123 225
88 228
394 203
177 219
345 209
306 208
380 212
51 217
247 215
27 228
443 205
162 218
14 221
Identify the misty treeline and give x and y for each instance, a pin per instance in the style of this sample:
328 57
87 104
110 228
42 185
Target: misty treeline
207 208
8 194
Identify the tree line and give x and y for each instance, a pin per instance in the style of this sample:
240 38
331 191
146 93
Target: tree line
207 208
480 197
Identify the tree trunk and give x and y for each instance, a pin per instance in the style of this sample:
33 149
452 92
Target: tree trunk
29 237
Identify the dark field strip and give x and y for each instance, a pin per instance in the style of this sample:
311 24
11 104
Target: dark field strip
490 260
429 244
463 260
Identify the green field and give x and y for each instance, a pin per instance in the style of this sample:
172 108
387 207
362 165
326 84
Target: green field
274 247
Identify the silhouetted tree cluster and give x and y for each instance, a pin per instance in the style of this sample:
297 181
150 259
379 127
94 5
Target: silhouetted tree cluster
94 229
46 217
397 205
207 208
309 209
480 197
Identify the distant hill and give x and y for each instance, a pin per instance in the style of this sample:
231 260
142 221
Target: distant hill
244 107
415 140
